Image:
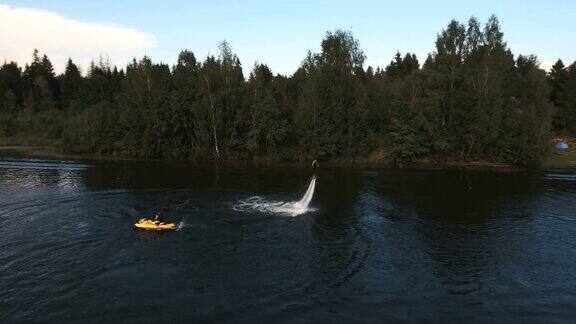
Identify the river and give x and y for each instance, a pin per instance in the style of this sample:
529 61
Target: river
373 245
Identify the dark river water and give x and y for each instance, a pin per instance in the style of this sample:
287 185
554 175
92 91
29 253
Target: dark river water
374 245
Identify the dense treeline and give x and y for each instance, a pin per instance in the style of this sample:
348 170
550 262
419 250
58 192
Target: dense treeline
470 100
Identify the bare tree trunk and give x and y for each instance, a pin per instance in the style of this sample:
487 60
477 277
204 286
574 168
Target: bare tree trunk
149 91
254 115
212 113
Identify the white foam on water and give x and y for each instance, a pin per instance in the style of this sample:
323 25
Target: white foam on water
293 208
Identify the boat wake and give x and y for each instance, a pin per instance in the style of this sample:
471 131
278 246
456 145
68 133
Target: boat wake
293 208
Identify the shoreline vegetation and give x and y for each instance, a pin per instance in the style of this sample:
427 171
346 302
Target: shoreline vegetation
472 104
557 160
565 160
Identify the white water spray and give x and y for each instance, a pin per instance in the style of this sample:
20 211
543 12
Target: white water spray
307 198
290 208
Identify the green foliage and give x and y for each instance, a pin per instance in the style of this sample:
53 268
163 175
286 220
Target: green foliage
331 117
470 100
267 127
562 81
401 67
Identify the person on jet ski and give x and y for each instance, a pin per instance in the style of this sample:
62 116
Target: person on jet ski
158 217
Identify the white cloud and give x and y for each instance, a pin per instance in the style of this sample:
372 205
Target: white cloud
546 65
23 29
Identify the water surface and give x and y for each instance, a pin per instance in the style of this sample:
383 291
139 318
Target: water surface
373 245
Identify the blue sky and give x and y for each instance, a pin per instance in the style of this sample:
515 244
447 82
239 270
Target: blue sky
279 32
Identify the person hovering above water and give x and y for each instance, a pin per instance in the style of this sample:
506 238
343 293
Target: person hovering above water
314 165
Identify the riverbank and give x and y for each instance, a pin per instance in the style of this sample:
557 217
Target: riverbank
377 159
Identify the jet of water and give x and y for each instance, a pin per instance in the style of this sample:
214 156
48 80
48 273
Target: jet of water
291 208
307 198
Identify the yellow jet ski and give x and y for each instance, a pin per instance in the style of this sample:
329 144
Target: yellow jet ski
150 225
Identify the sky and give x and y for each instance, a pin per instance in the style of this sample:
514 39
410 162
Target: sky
275 32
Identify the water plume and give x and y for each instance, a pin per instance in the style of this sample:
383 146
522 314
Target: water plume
293 208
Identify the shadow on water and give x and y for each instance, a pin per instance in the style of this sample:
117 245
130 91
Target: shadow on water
468 234
341 245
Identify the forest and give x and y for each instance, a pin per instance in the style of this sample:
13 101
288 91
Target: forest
471 99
